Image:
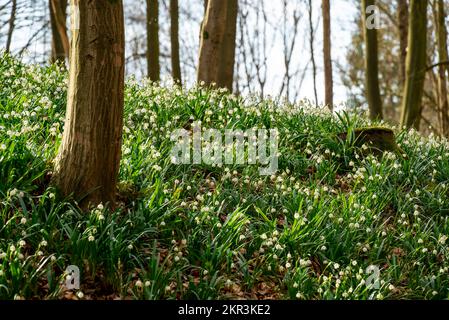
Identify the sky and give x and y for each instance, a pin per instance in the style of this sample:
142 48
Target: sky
342 15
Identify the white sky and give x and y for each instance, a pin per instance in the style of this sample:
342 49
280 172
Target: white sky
342 14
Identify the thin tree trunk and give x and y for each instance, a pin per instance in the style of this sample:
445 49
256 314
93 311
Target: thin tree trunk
442 69
60 41
153 40
416 64
12 20
174 37
88 160
328 79
312 51
217 47
205 4
403 35
371 66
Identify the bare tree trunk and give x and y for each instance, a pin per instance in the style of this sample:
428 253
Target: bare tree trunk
217 47
289 37
312 51
416 65
60 41
226 72
442 69
403 34
205 4
88 160
174 37
153 40
328 79
371 65
12 20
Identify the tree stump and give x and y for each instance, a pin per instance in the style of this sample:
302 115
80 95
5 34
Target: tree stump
376 139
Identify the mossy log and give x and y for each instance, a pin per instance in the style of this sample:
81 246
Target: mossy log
376 139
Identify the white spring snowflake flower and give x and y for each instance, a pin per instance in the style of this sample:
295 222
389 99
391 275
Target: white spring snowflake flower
442 239
13 192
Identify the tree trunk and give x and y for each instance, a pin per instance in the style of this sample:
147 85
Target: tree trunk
153 40
442 69
403 35
12 20
371 66
228 56
312 51
174 37
328 80
217 47
60 41
88 160
205 4
416 64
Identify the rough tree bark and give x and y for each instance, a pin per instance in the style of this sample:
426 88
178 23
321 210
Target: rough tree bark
60 42
12 20
88 160
174 38
217 47
403 34
371 65
416 64
153 40
442 69
328 79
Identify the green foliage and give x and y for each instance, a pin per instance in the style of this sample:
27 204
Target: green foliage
203 232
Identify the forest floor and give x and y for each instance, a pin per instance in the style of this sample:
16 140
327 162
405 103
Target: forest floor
337 220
